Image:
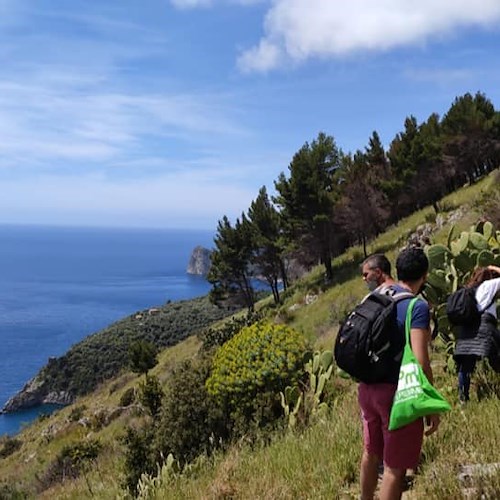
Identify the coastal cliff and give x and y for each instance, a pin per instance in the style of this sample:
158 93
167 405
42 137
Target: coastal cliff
199 262
102 355
36 392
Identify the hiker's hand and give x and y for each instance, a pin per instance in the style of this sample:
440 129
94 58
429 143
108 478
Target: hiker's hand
493 268
432 423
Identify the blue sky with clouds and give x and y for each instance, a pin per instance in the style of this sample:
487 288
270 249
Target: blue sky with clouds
173 113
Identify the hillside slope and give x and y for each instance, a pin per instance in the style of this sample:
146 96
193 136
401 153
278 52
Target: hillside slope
322 461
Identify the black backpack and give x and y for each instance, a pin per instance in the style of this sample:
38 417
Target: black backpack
364 344
462 308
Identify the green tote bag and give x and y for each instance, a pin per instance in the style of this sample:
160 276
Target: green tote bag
415 396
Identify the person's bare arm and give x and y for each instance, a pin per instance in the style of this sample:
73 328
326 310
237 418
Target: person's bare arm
496 269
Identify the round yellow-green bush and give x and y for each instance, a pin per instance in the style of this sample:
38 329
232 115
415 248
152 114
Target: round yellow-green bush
260 358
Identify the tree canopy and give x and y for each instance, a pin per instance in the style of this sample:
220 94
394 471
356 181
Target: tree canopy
329 200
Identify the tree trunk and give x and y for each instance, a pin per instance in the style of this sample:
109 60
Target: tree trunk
276 293
327 262
284 276
248 293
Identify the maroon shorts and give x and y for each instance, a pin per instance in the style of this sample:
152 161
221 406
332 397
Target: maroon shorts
399 449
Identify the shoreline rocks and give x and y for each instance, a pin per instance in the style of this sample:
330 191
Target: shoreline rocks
35 393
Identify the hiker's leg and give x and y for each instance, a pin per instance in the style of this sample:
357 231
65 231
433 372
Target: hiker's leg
465 366
373 438
392 483
401 452
463 385
369 475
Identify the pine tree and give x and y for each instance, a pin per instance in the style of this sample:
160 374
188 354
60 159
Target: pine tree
268 253
230 273
306 198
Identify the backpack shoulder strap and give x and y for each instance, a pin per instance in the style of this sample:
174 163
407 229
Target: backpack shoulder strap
394 294
399 296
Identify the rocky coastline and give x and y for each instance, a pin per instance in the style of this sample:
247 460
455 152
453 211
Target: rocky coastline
107 350
34 393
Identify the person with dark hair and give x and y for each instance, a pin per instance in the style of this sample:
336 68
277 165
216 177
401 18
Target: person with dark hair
398 450
482 340
376 271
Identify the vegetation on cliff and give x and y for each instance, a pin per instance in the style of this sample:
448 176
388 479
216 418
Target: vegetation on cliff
103 355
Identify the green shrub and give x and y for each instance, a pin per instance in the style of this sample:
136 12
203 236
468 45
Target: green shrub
76 413
128 397
191 422
9 446
71 461
431 216
100 419
341 308
10 492
151 394
487 381
261 358
490 203
215 337
257 421
142 356
137 456
103 355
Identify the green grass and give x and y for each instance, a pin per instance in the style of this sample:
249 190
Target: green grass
468 435
313 464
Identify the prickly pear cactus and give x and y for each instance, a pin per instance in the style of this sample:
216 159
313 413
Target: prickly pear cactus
320 368
308 400
451 266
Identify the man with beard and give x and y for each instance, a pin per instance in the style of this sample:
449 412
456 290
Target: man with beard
376 271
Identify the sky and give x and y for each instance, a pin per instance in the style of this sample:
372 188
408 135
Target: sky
173 113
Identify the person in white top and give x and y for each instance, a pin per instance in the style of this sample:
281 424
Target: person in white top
483 341
487 293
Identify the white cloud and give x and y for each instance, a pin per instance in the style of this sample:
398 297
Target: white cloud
68 97
262 58
90 134
54 120
301 29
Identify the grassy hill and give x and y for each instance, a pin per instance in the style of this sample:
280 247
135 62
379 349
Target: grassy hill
318 462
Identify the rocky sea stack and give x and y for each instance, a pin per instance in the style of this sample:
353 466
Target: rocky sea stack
199 262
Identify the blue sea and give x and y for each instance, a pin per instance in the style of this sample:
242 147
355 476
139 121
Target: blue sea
58 285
